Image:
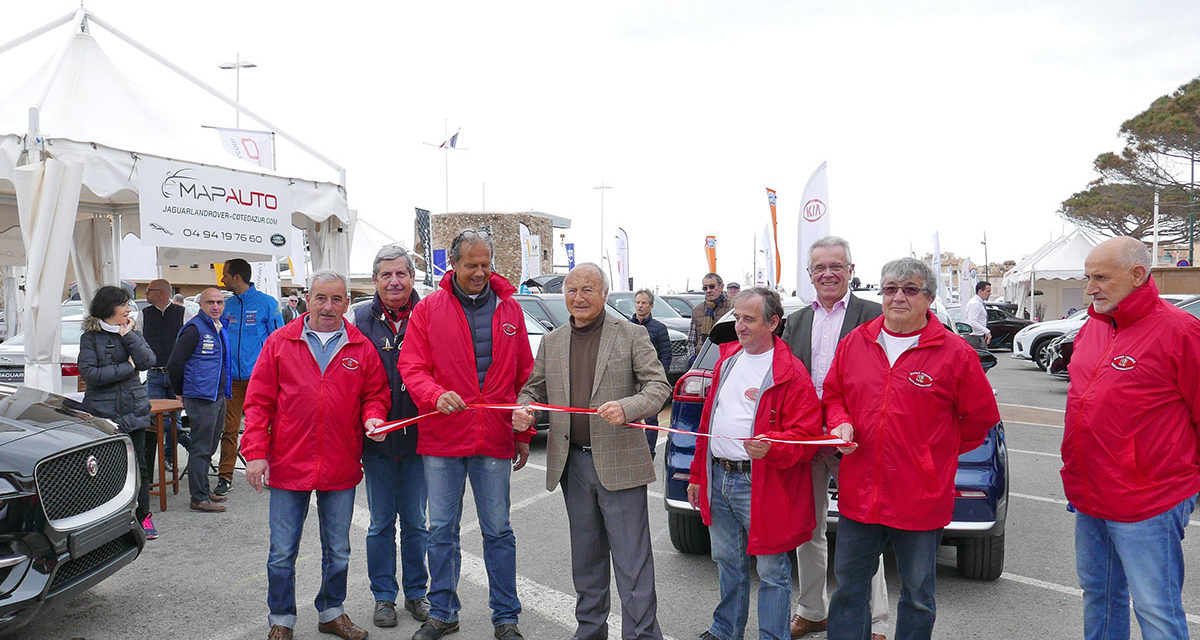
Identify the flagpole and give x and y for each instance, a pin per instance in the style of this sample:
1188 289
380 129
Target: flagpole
446 157
602 188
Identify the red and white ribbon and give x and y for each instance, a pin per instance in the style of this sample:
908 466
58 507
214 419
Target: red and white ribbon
400 424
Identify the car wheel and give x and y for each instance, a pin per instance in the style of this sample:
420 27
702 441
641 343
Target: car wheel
981 558
688 533
1041 353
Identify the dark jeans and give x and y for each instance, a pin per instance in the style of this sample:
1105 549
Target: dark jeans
855 561
208 421
144 440
158 387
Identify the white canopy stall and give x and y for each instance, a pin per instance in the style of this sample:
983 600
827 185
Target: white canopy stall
73 138
1054 273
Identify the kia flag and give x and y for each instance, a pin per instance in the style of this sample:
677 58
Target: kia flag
257 147
813 225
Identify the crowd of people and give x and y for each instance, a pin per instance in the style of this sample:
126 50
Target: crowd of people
905 395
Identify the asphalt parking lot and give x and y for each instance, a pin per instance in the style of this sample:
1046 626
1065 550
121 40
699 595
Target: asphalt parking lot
205 577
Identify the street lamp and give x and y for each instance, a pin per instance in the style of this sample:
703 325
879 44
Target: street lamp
237 65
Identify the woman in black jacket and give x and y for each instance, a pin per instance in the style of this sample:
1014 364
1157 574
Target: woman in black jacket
111 354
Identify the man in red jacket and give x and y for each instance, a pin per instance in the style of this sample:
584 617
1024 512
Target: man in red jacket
1132 474
759 390
466 344
913 397
316 387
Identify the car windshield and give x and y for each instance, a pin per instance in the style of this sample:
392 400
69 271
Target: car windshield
623 301
70 335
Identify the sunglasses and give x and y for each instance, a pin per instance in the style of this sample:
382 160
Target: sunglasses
710 287
891 290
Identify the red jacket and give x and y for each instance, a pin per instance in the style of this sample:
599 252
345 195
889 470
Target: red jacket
911 421
781 503
438 355
1131 448
309 425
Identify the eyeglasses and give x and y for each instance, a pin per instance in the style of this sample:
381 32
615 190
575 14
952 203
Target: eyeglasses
710 287
822 268
891 290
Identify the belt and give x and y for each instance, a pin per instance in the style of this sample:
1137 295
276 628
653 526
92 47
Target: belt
158 369
584 448
732 466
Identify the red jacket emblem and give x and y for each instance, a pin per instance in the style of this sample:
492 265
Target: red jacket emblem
1123 363
920 379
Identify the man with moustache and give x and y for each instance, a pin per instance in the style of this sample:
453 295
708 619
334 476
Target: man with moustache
812 333
466 344
601 362
395 475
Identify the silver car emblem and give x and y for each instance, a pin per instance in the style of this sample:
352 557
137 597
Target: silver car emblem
93 466
4 359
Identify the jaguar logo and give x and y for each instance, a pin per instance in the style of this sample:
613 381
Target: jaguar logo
1123 363
93 466
350 363
509 329
920 379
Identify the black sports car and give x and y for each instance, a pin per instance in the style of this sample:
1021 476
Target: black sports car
68 488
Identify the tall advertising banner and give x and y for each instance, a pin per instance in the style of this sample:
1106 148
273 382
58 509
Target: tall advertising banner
253 146
524 240
710 252
773 263
570 246
966 282
769 277
195 207
937 268
423 243
624 280
813 225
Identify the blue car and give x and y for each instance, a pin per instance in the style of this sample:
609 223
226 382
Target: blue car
981 483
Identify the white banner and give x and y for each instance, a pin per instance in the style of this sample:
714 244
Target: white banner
523 232
813 225
266 278
257 147
622 283
768 279
194 207
937 269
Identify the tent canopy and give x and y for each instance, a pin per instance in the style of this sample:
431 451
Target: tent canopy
1057 269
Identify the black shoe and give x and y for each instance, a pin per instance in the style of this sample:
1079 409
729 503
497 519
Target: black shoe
385 614
419 608
223 487
434 629
168 465
508 631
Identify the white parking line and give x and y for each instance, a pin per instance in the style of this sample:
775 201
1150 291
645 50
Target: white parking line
1034 424
1025 406
1035 453
1194 523
1071 591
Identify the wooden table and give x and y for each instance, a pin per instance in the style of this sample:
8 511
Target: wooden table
159 410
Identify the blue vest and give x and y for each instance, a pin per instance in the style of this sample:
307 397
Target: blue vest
202 371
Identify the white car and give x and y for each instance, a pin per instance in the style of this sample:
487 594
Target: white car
12 356
532 326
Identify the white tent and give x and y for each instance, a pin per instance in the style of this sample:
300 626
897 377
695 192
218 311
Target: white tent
71 138
1049 282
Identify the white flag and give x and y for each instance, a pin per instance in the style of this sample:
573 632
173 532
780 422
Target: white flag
814 225
622 283
937 268
768 278
524 234
257 147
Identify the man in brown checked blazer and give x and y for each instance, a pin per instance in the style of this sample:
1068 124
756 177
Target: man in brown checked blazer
606 363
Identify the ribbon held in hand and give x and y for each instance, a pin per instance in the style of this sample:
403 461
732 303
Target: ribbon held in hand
538 406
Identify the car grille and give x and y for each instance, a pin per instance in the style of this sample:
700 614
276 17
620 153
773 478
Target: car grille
73 570
66 487
679 348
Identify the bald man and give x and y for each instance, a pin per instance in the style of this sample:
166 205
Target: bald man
1131 475
161 322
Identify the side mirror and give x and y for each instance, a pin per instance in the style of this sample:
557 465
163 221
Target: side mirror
962 328
546 323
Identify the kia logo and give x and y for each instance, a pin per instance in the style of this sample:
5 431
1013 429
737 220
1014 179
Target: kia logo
813 210
1123 363
93 466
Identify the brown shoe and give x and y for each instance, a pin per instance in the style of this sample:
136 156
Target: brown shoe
280 632
343 628
207 506
878 636
216 498
802 626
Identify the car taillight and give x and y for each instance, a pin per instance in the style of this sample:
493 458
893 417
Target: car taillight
70 369
970 494
693 386
682 475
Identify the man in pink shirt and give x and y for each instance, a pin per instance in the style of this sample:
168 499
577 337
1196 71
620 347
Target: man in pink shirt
813 333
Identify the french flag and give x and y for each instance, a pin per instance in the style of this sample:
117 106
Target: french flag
452 143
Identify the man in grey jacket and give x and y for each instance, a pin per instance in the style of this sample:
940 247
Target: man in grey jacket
812 333
605 363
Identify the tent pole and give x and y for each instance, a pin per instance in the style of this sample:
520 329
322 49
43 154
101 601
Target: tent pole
218 95
37 32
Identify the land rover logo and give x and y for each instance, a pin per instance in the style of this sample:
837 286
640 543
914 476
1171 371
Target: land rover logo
277 239
93 466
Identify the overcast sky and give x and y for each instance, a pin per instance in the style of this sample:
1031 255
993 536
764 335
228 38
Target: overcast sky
952 117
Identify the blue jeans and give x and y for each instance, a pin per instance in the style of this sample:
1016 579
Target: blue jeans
855 561
1145 559
287 514
158 387
396 488
445 479
729 504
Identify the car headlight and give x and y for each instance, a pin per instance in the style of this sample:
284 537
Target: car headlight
7 489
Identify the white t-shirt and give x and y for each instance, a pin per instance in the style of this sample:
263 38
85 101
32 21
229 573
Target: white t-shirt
896 344
734 415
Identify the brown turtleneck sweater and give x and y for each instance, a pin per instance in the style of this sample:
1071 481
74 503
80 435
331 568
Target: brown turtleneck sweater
585 345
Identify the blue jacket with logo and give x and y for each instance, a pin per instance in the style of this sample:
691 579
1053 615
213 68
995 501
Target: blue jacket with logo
202 371
249 319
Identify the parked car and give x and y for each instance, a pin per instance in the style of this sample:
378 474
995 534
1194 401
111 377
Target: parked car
1059 350
1004 326
12 356
551 311
68 490
1031 342
981 482
683 303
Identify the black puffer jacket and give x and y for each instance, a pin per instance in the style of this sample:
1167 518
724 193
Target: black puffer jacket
109 364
